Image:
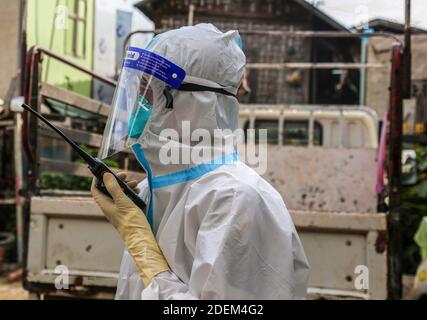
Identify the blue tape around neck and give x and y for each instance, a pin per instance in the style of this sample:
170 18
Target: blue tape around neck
183 176
194 172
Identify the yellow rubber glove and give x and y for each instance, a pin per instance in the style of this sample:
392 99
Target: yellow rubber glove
133 228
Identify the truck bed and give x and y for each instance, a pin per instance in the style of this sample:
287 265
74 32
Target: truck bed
72 231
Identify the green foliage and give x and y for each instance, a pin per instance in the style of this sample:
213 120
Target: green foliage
414 200
94 153
418 192
61 181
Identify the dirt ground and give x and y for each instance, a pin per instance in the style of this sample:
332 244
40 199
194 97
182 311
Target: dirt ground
12 291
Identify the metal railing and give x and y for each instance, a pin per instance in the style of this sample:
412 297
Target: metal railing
297 34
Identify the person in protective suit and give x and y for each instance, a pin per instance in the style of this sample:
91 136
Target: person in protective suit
213 229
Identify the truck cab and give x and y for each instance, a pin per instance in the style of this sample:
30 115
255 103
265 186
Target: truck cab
310 125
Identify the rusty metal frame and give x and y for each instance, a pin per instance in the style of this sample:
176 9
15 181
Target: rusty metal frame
33 92
395 170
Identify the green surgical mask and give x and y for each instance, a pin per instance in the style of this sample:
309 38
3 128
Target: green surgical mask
139 119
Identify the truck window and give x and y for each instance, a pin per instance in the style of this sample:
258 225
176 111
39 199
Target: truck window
296 133
272 127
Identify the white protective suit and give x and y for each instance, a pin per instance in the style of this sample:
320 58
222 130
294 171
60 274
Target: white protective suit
224 231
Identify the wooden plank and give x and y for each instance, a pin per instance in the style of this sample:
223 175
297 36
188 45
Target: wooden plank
5 123
75 100
76 169
78 136
10 201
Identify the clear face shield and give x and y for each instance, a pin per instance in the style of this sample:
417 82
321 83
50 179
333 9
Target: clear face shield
144 78
131 109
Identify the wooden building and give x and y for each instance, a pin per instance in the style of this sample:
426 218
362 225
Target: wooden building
274 86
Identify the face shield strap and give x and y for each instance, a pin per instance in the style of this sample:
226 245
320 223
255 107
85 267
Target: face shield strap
169 98
193 87
198 88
